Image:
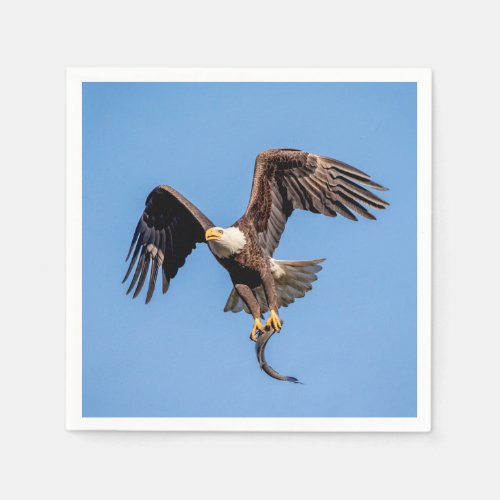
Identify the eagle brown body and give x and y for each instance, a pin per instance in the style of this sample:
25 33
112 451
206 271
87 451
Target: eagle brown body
250 269
284 180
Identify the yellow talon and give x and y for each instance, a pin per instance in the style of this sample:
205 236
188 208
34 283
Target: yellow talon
257 325
274 321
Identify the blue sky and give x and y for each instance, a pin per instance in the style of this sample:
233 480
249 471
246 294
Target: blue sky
351 340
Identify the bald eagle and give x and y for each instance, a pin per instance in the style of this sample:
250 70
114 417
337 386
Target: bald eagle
283 180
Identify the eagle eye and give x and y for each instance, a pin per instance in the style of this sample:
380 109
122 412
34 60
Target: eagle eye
220 231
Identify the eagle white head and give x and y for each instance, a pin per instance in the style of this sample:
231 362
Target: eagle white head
225 242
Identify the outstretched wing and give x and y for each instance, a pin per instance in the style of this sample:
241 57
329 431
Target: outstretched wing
286 179
166 234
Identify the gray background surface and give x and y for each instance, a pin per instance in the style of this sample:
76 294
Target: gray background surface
40 459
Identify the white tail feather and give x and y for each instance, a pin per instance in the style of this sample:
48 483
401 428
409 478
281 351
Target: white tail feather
292 279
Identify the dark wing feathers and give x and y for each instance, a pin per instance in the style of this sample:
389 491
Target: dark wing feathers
165 235
286 179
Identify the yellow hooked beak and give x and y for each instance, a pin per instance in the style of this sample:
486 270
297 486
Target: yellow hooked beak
213 234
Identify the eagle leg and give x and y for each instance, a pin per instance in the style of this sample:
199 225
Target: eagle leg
274 321
270 291
248 297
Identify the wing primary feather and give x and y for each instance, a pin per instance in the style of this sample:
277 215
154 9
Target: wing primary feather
360 192
146 234
152 280
134 238
343 210
314 187
151 237
144 272
137 270
345 167
375 185
157 239
157 261
165 281
354 205
132 262
358 175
